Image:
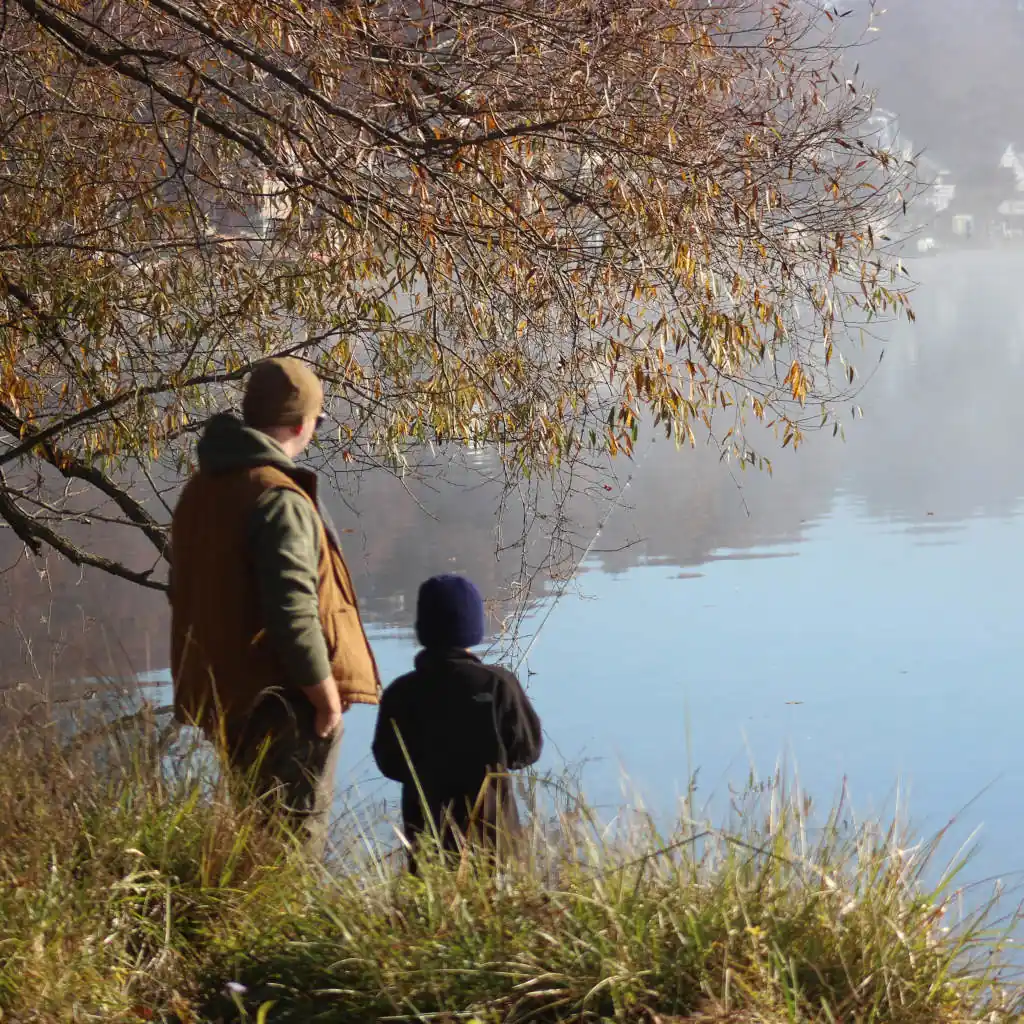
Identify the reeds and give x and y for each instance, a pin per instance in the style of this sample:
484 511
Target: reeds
132 889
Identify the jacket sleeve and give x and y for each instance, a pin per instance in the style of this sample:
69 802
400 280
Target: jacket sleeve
518 724
285 552
387 750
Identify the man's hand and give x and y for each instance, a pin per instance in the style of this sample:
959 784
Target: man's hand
328 722
326 700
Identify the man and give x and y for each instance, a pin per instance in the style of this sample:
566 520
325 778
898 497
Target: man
268 647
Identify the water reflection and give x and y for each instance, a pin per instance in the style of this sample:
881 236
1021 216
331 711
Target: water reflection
938 445
859 607
870 657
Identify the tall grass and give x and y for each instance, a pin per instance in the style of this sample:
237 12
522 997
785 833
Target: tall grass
131 892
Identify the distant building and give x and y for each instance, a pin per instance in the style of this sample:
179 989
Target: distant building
1012 162
882 129
989 200
940 190
963 225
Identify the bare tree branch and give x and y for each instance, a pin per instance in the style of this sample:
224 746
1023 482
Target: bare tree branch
530 225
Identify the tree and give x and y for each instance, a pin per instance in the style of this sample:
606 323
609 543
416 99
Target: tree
525 223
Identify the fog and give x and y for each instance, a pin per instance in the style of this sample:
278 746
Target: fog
951 70
938 443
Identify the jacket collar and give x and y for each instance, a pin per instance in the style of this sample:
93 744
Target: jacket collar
432 656
307 480
227 444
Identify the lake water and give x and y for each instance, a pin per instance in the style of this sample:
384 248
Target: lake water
857 614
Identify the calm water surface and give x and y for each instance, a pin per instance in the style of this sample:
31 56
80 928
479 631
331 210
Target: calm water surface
858 614
882 655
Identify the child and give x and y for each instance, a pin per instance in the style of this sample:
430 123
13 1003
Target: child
453 724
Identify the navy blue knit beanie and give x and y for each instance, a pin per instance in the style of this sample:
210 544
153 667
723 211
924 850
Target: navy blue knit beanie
449 613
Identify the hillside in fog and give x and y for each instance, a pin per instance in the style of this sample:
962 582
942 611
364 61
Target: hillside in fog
953 70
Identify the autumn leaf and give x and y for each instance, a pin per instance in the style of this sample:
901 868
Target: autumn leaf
491 237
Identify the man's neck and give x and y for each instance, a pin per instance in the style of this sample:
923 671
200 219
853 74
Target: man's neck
284 439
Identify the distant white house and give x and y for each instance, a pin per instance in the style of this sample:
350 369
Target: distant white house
941 194
882 127
1012 161
1013 207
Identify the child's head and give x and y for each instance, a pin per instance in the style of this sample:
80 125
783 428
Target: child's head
449 613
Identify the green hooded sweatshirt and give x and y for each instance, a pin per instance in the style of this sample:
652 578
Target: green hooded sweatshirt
285 546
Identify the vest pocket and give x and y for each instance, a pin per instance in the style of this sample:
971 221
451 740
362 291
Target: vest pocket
339 572
337 629
349 652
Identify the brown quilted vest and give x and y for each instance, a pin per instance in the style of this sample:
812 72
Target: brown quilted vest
220 657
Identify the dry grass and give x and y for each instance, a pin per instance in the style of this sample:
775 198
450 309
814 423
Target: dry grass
130 889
